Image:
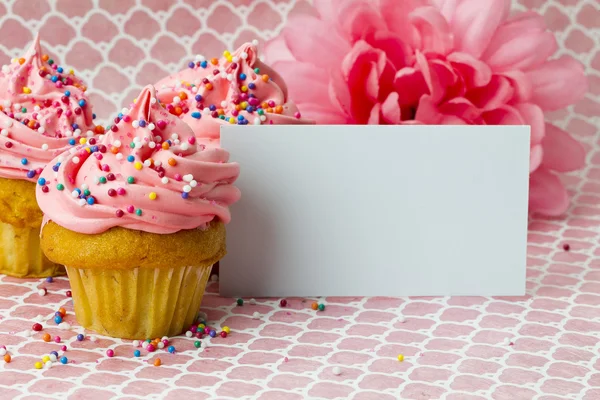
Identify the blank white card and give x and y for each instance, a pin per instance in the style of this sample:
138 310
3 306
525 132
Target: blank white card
377 211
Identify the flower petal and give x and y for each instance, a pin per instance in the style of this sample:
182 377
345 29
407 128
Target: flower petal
505 115
359 18
535 157
325 116
532 115
434 32
277 50
305 82
547 195
475 73
397 52
390 111
493 95
562 153
520 44
521 85
410 86
558 83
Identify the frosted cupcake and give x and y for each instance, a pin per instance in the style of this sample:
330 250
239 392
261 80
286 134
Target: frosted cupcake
140 225
44 112
236 89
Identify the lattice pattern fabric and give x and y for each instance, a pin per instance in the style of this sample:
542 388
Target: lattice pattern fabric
544 345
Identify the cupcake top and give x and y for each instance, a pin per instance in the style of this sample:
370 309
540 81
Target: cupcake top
45 111
150 174
236 89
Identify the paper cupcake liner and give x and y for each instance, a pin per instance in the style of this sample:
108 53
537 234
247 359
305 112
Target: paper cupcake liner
21 255
138 303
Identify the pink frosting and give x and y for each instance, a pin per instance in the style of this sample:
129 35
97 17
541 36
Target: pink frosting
149 161
220 85
41 114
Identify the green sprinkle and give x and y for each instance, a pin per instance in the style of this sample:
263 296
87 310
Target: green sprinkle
60 186
240 302
102 179
50 61
138 212
321 307
130 179
23 110
260 111
197 344
86 192
256 70
132 145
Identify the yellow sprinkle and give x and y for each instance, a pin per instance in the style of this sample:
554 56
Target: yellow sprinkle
226 329
46 358
89 151
226 53
138 165
244 88
82 141
152 196
38 365
26 90
135 100
244 104
400 357
229 58
232 120
71 72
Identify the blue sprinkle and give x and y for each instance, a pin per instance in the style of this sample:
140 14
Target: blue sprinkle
67 93
82 103
54 168
74 126
196 115
57 319
136 353
57 313
142 123
204 64
93 115
24 161
41 181
55 353
250 109
212 333
94 148
251 95
130 158
198 97
78 190
120 115
59 70
63 360
80 337
54 78
185 195
31 174
169 141
191 64
251 86
240 118
242 76
49 279
171 349
212 107
72 142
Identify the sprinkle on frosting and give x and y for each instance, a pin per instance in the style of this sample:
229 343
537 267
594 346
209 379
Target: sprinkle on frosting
177 183
235 89
43 112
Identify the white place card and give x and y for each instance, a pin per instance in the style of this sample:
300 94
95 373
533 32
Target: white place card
377 211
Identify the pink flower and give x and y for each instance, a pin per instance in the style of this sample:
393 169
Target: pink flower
436 62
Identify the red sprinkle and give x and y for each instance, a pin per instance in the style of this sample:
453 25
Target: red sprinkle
69 294
37 327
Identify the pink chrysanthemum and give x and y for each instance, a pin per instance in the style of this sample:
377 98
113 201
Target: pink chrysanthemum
436 62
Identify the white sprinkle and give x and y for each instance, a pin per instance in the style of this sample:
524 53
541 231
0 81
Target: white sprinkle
93 338
8 123
4 132
39 318
75 160
256 121
45 147
193 183
151 126
77 132
188 177
136 139
116 143
84 186
235 59
28 333
244 55
139 145
199 57
74 194
195 89
151 145
135 123
188 334
184 146
263 118
223 104
256 315
152 100
136 343
187 188
229 77
2 351
255 42
506 341
41 130
36 108
147 163
164 180
164 338
223 74
174 136
161 345
5 69
158 138
52 357
82 202
68 133
119 156
72 150
42 292
89 133
337 371
65 325
124 111
176 99
252 302
48 364
157 163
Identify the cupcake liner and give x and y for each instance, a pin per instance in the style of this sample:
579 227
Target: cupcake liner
21 255
138 303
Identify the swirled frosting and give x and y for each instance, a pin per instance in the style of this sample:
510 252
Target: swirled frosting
150 174
236 89
44 112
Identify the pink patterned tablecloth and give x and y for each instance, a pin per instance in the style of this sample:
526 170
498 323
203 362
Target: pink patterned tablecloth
543 346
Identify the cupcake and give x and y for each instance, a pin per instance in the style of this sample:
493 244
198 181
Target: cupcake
138 224
44 112
236 89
